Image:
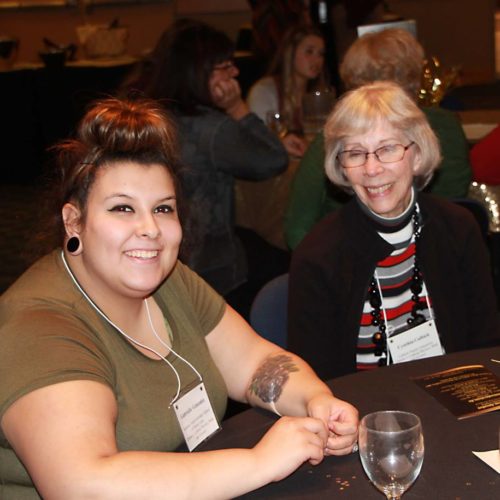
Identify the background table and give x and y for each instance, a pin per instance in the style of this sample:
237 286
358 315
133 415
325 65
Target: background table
40 106
477 123
261 205
450 470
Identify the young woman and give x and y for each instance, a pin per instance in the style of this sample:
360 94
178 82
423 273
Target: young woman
298 67
114 355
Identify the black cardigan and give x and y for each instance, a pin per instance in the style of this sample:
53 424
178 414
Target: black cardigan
332 267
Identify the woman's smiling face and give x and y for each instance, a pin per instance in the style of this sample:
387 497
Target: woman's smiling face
131 233
385 188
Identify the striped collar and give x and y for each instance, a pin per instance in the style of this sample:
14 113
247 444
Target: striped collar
390 224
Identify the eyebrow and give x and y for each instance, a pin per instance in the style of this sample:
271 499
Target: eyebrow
379 144
128 197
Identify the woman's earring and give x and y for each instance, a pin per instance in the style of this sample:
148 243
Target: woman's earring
73 244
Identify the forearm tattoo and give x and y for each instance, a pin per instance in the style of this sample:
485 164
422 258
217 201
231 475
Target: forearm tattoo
269 379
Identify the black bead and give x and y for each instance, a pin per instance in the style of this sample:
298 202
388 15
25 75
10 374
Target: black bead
419 319
416 308
375 300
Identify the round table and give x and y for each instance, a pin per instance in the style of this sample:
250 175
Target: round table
450 470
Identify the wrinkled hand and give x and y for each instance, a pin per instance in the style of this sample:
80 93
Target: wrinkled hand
295 145
341 419
289 443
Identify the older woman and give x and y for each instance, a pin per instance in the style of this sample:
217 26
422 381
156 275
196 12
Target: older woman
395 274
391 54
113 354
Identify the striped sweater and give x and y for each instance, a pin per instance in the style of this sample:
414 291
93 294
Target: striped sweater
393 274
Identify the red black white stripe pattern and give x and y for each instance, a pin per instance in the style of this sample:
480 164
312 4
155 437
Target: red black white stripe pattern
394 275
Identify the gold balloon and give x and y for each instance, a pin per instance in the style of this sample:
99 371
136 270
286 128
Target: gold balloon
489 197
436 81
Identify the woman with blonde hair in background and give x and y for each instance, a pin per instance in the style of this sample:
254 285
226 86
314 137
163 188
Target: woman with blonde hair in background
297 68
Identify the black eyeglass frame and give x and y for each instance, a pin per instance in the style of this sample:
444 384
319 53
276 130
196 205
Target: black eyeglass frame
225 65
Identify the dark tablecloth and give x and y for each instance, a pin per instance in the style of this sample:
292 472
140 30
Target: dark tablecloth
450 470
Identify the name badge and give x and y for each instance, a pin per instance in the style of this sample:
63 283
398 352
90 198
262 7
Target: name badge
196 416
419 342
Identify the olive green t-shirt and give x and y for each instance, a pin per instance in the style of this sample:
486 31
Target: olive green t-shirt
49 333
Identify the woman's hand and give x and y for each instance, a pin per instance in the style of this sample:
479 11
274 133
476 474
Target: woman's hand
289 443
295 145
341 419
226 95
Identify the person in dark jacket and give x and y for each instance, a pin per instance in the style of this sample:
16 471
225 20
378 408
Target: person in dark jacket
395 274
192 72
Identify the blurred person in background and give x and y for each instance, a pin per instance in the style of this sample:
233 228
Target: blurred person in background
297 68
192 72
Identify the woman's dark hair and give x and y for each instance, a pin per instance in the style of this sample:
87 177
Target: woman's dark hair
182 62
113 130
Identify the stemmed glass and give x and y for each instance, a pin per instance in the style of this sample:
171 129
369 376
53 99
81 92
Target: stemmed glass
316 107
391 447
277 123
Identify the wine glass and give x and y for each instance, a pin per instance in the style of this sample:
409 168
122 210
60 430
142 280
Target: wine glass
391 447
316 107
277 123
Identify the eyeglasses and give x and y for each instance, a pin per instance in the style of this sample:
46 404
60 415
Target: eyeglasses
385 154
225 66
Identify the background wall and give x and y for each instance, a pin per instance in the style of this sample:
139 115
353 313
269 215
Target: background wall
459 32
145 22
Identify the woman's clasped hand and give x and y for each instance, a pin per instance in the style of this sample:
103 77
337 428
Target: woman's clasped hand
330 430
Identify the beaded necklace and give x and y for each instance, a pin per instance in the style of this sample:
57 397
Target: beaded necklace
375 299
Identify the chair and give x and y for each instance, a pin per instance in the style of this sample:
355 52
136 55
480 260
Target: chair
482 215
478 210
268 314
